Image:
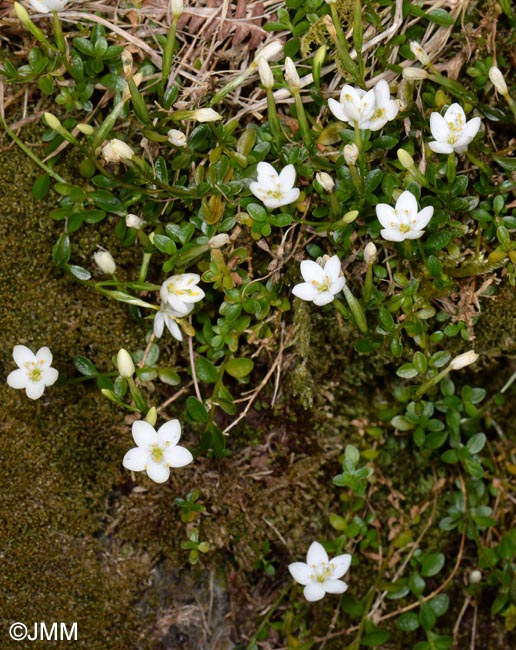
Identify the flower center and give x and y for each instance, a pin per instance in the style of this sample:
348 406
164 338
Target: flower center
157 453
455 130
274 194
34 371
379 114
322 286
321 572
404 227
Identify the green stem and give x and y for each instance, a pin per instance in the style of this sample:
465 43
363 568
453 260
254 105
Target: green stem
168 54
58 32
273 118
342 46
301 118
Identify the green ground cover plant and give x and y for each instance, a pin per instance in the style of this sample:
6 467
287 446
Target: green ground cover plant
306 212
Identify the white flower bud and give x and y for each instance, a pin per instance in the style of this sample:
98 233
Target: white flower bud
266 76
52 121
217 241
414 74
326 181
104 260
270 51
370 253
291 75
419 53
205 115
125 364
463 360
115 151
176 137
475 577
134 221
176 8
498 81
351 154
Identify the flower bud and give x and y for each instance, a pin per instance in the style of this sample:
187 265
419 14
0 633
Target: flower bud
125 364
176 137
419 53
22 13
134 221
265 72
53 122
205 115
498 81
326 181
414 74
104 260
115 151
463 360
291 75
406 160
152 416
351 154
270 51
87 129
176 8
127 62
370 253
475 577
217 241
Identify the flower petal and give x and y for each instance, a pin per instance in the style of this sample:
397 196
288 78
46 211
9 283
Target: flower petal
35 389
314 591
177 456
423 217
332 268
337 110
136 459
385 215
414 234
316 554
334 586
312 272
391 234
144 434
338 285
266 172
472 127
169 433
323 298
305 291
287 177
301 572
173 328
340 565
49 376
407 202
17 379
455 114
159 323
44 354
179 307
440 147
158 472
22 354
439 127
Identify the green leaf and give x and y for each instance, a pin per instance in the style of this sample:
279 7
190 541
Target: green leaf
376 638
239 367
439 604
427 617
408 622
107 201
206 370
165 244
407 371
41 186
196 410
441 17
61 250
432 564
476 443
85 366
169 376
78 271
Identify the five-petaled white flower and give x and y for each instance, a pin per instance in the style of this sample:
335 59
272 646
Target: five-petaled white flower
451 131
403 221
179 292
157 451
47 6
275 189
370 109
34 371
167 316
319 574
321 283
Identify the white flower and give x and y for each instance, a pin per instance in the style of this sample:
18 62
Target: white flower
351 153
176 8
47 6
275 189
385 108
34 371
270 51
205 115
104 260
179 292
419 53
177 138
451 131
156 452
403 221
320 575
354 106
326 181
166 316
321 283
115 151
414 74
134 221
370 253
